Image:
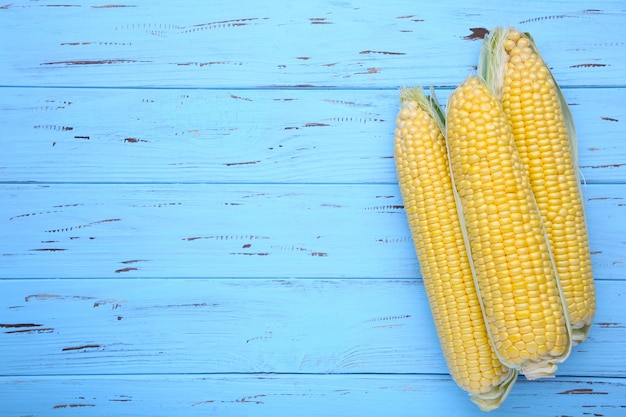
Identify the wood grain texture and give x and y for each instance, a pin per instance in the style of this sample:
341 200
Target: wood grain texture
216 230
276 44
308 395
290 326
200 212
239 136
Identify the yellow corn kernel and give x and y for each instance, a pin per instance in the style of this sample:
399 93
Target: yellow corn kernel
516 278
424 179
546 140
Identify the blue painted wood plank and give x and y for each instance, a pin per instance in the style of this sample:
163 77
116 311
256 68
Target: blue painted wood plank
225 230
302 395
323 43
308 326
243 136
274 164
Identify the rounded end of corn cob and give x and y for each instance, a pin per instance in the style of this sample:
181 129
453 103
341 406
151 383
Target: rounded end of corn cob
493 399
579 335
536 370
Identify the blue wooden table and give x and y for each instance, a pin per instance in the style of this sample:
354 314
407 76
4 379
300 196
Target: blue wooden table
200 212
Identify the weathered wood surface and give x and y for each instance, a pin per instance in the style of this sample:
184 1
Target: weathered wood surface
200 213
237 230
277 43
240 136
304 395
290 326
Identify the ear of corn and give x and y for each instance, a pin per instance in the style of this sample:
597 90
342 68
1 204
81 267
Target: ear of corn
546 140
424 179
514 270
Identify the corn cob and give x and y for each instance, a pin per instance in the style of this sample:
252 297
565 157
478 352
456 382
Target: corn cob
424 179
514 270
546 139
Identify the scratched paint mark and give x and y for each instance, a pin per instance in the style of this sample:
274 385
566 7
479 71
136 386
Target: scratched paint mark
611 325
251 399
53 127
41 297
320 254
34 214
48 250
227 237
319 21
134 140
289 248
68 205
115 304
347 103
381 52
95 62
122 398
542 18
67 229
18 325
202 402
204 64
250 253
388 318
350 119
410 17
149 26
62 102
36 330
223 24
316 124
477 33
188 305
111 6
370 71
82 347
386 208
230 164
609 119
240 98
588 65
56 407
603 166
127 269
45 212
584 391
266 335
157 205
132 261
394 240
